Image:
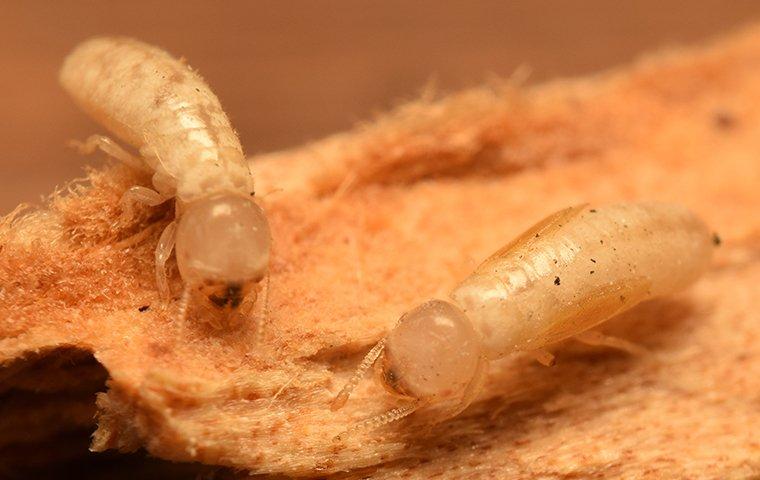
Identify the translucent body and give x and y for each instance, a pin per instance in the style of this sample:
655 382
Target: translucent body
579 267
160 106
223 247
565 275
433 352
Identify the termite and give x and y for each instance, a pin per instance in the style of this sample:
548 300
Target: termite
160 106
567 274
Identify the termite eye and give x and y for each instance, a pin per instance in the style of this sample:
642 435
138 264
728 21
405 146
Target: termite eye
434 351
223 239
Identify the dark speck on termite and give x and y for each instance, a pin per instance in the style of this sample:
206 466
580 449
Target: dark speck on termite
556 280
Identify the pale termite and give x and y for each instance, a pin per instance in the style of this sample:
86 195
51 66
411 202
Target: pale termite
565 275
160 106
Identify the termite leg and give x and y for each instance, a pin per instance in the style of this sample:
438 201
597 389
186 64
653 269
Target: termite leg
110 148
378 421
183 304
163 251
139 194
592 337
543 357
136 238
246 306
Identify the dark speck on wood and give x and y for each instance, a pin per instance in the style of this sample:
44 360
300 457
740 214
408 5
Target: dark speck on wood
556 280
724 120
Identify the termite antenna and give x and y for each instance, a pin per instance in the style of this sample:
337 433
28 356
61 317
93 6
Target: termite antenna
261 322
379 420
368 361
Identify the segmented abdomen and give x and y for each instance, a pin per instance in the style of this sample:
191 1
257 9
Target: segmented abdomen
578 268
159 105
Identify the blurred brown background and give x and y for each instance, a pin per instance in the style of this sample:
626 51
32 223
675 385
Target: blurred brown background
288 72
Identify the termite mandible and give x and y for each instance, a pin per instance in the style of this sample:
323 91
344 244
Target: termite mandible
568 273
159 105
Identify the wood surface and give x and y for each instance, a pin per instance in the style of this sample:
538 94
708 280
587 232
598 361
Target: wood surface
369 223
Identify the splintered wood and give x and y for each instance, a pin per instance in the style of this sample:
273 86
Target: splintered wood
368 224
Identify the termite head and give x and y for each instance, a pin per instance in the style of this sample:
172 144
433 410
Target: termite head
433 353
223 245
432 356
